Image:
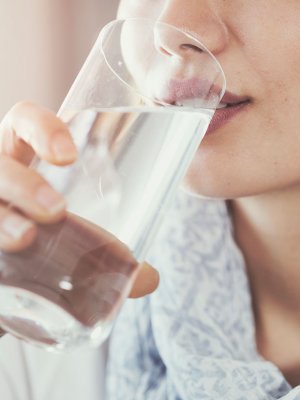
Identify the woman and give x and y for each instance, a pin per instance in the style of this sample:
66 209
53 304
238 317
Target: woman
175 349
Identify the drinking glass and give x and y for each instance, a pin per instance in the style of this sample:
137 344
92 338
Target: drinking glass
137 113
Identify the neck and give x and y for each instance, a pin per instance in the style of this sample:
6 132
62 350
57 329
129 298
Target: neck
267 228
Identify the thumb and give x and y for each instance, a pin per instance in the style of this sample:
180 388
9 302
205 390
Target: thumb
146 281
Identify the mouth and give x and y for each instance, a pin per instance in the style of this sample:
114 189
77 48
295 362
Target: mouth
232 100
230 106
196 93
189 93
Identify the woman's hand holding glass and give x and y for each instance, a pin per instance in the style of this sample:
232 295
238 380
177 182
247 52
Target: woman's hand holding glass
28 130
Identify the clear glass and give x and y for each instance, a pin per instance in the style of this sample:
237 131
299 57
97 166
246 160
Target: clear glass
137 112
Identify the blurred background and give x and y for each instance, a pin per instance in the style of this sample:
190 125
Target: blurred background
43 44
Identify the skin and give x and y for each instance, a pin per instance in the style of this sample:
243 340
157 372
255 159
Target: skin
253 160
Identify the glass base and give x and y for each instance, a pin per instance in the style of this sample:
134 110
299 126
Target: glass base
36 320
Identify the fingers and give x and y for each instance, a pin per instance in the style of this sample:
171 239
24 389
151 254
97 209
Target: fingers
146 282
25 130
28 128
16 232
29 192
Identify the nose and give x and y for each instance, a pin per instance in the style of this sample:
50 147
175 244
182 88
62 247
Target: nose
196 17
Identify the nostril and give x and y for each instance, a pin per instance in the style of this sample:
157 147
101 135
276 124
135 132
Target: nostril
182 47
176 43
191 47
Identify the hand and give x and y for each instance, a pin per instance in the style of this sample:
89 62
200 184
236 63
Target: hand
146 282
26 130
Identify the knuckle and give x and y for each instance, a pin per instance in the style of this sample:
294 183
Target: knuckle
19 180
27 188
39 121
4 163
16 114
16 231
22 106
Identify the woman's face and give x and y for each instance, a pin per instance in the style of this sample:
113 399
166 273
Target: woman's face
258 46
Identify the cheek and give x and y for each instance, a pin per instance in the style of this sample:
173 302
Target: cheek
260 151
257 153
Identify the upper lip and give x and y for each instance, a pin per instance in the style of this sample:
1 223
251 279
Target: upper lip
176 91
231 99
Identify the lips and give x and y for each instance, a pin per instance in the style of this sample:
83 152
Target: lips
176 91
224 115
230 99
192 92
196 93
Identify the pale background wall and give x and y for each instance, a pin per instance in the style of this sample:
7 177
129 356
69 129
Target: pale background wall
43 44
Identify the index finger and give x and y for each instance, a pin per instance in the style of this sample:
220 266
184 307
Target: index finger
28 128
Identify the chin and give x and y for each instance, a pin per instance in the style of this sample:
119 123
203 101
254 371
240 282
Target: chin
206 186
214 194
233 189
217 180
223 187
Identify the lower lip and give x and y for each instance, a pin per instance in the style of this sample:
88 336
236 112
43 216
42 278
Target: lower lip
224 115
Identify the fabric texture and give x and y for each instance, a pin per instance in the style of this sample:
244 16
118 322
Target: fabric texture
194 338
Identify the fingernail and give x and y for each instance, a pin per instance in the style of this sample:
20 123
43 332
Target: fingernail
50 200
64 149
15 226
